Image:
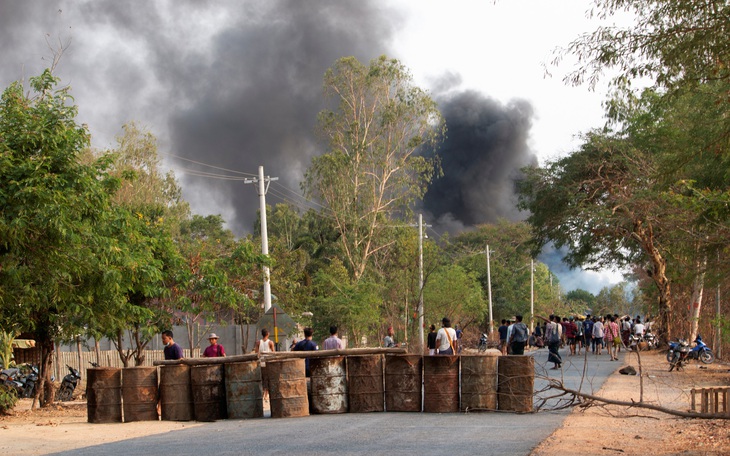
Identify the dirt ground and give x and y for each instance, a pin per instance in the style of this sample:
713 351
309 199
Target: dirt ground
616 430
589 430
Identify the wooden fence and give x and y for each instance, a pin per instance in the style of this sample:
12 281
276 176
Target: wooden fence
107 358
712 400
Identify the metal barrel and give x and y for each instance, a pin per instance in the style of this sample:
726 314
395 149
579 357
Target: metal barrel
441 384
515 383
287 388
365 392
244 395
139 394
104 395
328 385
209 392
176 393
403 383
478 382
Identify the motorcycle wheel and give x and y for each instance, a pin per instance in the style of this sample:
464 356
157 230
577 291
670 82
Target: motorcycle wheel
670 356
65 393
482 348
707 357
675 362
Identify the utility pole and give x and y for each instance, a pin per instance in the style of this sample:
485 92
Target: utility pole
718 330
489 292
532 294
264 233
420 280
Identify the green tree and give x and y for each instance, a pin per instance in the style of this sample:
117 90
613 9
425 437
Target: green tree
673 43
51 205
602 203
371 170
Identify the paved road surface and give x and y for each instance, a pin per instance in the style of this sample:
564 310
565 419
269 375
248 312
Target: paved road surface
375 433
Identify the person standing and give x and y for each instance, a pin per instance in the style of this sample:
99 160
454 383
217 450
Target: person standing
431 341
388 340
571 333
588 332
333 342
265 345
553 331
613 339
446 338
598 334
503 337
519 336
579 334
172 350
214 349
307 344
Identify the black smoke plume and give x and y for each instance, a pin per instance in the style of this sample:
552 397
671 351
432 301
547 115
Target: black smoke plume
481 157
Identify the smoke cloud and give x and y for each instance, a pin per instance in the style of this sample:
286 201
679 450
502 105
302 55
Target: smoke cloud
481 157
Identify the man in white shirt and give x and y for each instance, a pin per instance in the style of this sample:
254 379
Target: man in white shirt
446 341
638 327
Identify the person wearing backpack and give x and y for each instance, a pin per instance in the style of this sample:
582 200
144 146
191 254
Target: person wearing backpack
520 334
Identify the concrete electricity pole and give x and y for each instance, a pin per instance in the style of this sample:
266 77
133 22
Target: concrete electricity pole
264 233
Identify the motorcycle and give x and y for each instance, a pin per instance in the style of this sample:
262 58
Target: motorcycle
700 351
482 347
678 355
68 384
22 379
650 339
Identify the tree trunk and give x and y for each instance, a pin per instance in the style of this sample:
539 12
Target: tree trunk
657 271
698 286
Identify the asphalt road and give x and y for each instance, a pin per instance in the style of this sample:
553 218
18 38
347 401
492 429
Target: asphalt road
379 433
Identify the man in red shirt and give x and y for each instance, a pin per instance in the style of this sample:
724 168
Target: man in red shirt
214 349
571 333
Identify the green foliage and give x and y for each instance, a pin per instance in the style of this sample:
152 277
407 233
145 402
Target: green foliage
675 43
8 398
453 292
371 171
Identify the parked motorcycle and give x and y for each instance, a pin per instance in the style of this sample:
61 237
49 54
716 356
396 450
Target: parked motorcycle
650 339
68 384
680 353
22 379
482 343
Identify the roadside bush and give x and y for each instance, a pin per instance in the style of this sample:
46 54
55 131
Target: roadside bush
8 398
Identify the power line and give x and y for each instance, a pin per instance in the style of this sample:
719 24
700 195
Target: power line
206 164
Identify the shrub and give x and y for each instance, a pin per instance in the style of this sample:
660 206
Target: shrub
8 398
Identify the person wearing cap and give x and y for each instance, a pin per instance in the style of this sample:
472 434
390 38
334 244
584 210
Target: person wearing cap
571 334
214 349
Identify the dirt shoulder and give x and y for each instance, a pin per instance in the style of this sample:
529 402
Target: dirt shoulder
614 430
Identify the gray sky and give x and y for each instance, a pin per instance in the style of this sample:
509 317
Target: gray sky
237 84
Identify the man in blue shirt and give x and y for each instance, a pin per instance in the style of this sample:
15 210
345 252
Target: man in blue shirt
172 350
306 344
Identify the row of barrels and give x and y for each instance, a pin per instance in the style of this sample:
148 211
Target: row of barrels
338 384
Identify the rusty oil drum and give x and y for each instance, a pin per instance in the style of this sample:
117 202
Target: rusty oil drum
478 382
176 393
515 383
287 388
441 384
365 383
403 383
104 395
209 392
244 394
328 385
139 394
